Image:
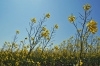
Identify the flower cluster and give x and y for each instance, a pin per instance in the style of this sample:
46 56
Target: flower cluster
47 15
86 7
45 33
33 20
56 26
53 56
71 18
92 26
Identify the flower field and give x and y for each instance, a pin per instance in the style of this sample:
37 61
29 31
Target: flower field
82 49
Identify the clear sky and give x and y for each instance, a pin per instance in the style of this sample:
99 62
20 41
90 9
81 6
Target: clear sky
16 14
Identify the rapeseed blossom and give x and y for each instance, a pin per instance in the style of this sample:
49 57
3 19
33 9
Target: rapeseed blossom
71 18
47 15
45 33
56 47
81 62
33 20
38 64
56 26
92 26
86 7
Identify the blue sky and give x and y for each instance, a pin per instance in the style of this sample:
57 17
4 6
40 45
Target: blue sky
16 14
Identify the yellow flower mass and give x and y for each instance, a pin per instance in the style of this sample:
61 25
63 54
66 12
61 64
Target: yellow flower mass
56 47
92 26
45 33
86 7
81 63
33 20
56 26
71 18
38 64
48 15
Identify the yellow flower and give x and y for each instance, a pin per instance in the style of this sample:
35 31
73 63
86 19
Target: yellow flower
33 20
32 61
47 31
92 26
81 63
28 60
44 34
17 55
94 31
17 32
56 47
93 22
48 15
71 18
38 64
86 7
17 63
56 26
